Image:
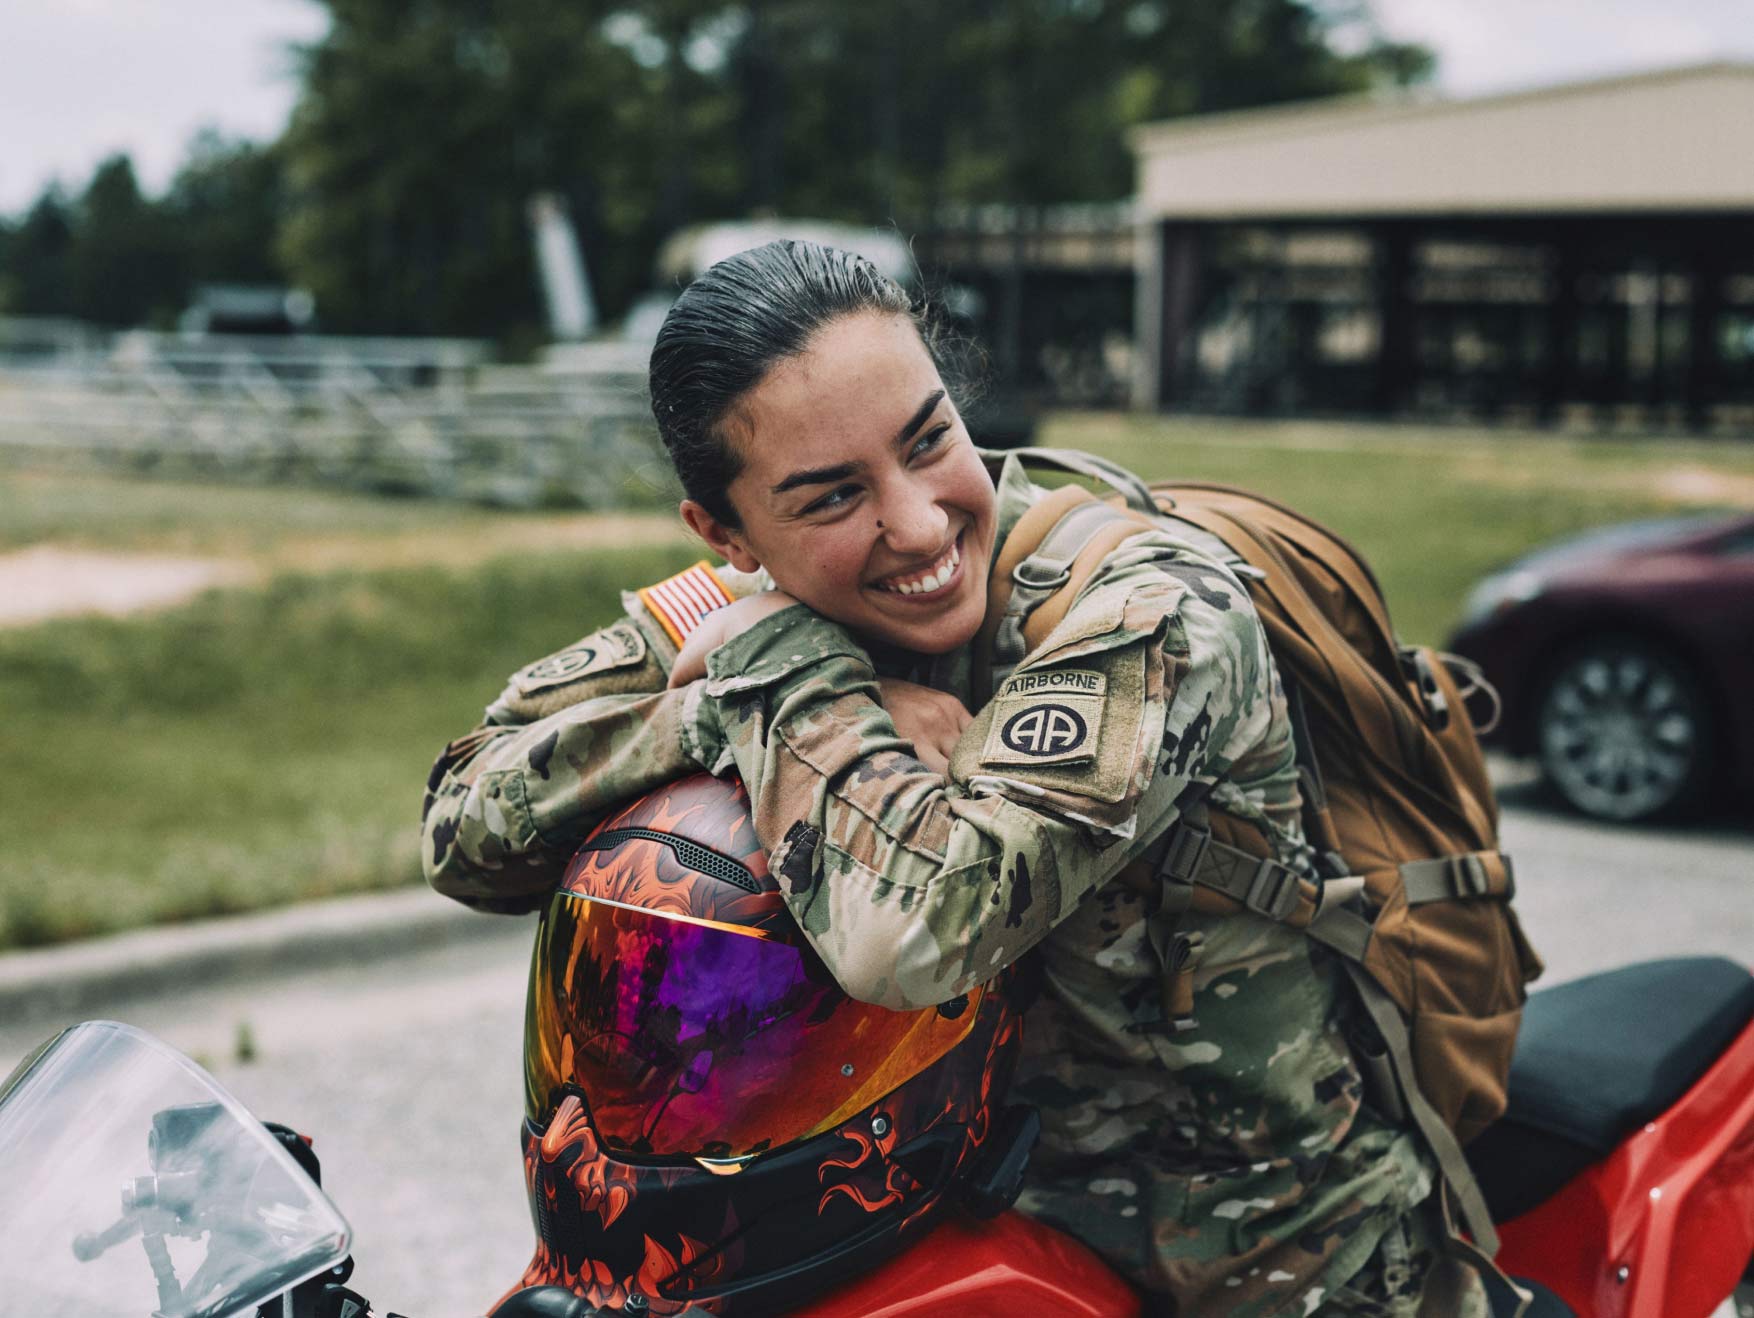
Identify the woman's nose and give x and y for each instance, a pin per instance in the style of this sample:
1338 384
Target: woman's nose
913 521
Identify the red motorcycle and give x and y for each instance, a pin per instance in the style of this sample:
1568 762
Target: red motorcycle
712 1127
1621 1178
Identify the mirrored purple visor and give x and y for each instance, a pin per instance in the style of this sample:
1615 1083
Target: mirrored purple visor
690 1037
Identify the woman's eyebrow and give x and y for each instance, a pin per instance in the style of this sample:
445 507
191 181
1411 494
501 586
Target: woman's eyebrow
816 476
918 419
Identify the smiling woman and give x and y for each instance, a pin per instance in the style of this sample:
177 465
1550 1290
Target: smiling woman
883 524
942 798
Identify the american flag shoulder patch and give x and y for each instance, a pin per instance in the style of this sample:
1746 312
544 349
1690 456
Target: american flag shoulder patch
680 602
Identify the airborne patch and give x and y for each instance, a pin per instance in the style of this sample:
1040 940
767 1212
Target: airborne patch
1059 681
620 646
1046 717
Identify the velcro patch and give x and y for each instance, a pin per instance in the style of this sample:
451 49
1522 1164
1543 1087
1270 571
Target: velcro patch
679 603
1045 728
1056 681
619 646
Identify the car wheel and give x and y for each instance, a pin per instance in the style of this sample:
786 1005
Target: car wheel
1623 730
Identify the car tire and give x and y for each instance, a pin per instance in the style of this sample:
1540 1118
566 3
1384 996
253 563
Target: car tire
1624 730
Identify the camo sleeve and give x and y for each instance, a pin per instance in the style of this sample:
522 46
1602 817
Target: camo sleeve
914 888
571 737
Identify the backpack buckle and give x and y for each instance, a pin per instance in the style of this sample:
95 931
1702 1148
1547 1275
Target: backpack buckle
1272 891
1417 667
1468 876
1186 852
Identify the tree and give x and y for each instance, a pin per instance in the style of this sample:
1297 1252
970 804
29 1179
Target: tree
36 258
225 207
421 134
424 128
123 264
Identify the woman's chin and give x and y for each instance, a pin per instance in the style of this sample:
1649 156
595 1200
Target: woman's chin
936 632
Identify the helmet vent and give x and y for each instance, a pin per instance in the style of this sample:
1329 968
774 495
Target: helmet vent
703 860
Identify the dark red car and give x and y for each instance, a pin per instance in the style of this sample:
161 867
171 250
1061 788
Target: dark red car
1625 660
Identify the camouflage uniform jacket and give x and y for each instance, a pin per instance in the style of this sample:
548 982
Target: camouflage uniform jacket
1232 1167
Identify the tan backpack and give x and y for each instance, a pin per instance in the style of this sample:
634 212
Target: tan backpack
1416 894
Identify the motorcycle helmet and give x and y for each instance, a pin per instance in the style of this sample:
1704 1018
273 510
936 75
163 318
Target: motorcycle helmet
711 1124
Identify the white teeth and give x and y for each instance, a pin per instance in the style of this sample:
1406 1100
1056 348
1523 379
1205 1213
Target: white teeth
932 581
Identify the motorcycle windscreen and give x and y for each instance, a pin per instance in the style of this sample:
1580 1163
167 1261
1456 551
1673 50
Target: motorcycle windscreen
137 1185
693 1038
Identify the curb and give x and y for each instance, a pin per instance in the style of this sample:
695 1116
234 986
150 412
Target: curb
70 979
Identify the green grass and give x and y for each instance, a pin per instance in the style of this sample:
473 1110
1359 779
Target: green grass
1432 509
289 528
256 747
267 744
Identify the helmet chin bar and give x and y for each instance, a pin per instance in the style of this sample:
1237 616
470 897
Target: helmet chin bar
632 1233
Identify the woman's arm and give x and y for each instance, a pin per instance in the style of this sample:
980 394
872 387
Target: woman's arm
571 737
914 889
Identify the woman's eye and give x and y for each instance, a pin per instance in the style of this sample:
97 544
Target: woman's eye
932 439
835 499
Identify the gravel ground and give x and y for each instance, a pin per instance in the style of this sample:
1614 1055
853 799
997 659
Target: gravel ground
47 581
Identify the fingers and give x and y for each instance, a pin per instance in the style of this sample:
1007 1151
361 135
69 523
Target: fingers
933 758
688 668
960 718
932 721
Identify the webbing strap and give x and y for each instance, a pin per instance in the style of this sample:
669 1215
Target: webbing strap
1044 572
1438 1136
1188 854
1138 495
1336 923
1022 541
1458 1246
1470 875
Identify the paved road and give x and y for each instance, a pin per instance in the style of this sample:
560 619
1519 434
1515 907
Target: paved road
407 1072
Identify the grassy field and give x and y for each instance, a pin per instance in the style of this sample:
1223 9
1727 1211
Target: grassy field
267 743
261 746
1432 509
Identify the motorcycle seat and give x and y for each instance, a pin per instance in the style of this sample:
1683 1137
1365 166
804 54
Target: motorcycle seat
1597 1058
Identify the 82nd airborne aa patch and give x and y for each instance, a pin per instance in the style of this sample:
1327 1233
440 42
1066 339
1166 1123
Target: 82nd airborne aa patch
1051 716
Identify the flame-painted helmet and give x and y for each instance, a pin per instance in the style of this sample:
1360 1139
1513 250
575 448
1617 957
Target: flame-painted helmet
711 1124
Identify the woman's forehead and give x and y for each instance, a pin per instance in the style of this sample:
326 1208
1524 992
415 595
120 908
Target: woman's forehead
858 380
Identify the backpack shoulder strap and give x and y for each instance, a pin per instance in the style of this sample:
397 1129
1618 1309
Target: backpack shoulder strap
1137 494
1052 551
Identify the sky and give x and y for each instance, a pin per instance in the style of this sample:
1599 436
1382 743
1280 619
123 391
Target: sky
80 79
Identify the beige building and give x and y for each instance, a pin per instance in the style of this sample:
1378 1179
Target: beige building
1581 247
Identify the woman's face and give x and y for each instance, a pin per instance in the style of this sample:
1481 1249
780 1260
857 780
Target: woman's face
861 492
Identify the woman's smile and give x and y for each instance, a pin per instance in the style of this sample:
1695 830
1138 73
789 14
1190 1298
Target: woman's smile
930 585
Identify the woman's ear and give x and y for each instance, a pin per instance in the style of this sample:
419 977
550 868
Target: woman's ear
727 543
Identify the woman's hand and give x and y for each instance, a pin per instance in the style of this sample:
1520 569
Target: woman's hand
720 626
931 720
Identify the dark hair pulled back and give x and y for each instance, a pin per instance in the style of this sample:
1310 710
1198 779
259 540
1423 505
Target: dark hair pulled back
735 323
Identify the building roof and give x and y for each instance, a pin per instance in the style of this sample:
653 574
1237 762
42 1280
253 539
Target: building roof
1670 140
